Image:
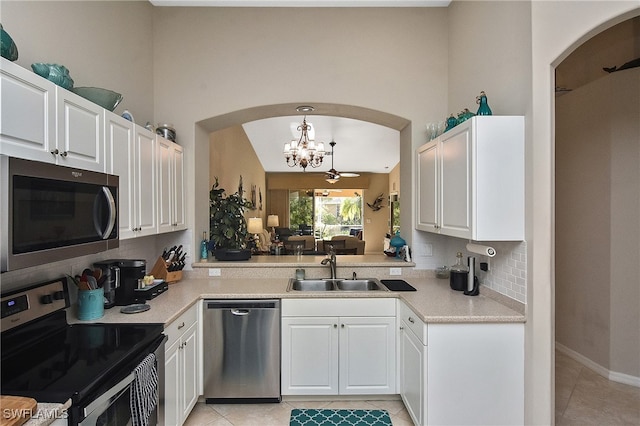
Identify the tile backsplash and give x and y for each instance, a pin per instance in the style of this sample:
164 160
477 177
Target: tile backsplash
508 269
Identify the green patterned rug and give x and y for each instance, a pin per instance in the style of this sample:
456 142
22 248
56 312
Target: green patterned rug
326 417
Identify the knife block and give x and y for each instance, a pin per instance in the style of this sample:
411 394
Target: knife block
160 271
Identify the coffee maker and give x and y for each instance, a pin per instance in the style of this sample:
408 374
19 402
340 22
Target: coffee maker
111 271
130 271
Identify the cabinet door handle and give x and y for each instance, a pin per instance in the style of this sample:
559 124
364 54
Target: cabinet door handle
335 325
181 325
411 320
63 153
401 328
55 151
342 325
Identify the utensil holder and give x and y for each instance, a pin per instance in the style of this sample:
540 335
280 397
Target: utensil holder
160 271
90 304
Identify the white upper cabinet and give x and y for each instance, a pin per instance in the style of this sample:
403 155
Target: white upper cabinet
27 114
121 162
42 122
170 184
80 132
470 180
146 182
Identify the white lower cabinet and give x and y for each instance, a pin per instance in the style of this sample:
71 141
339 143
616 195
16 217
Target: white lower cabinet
413 365
461 373
182 368
338 346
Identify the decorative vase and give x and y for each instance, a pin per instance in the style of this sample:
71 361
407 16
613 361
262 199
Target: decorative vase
397 242
464 115
451 123
8 48
483 109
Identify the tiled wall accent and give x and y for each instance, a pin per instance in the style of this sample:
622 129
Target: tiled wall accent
508 270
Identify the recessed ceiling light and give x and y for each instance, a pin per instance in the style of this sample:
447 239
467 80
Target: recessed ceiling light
305 108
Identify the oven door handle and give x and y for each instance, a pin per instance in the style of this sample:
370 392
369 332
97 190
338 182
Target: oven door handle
108 396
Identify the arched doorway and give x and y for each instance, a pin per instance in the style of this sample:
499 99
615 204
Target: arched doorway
597 151
557 28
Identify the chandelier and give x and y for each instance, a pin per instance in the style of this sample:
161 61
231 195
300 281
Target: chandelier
304 152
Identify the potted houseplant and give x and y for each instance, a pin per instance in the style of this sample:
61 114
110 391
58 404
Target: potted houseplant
228 226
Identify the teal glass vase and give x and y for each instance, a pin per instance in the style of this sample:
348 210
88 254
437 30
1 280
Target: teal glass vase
483 108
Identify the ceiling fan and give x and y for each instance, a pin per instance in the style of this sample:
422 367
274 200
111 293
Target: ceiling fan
332 175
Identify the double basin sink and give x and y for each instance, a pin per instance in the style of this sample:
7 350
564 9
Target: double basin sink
328 284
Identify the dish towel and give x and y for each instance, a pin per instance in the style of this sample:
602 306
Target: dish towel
144 391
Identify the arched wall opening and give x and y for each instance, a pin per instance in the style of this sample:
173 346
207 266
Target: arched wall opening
205 127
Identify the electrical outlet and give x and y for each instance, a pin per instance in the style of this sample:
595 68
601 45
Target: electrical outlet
215 272
395 271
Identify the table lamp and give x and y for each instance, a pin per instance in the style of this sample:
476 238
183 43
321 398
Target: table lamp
273 222
254 226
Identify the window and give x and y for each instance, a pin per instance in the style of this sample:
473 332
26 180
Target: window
326 212
337 212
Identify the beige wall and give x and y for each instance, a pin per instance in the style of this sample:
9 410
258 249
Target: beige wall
557 29
394 180
103 44
376 223
232 156
597 210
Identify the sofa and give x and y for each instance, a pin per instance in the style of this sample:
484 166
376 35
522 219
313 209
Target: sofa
350 242
308 241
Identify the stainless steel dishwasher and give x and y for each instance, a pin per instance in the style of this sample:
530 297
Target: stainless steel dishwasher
241 346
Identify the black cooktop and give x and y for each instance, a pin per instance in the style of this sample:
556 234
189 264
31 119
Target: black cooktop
72 361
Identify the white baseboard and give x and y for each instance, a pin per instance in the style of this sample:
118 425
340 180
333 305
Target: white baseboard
604 372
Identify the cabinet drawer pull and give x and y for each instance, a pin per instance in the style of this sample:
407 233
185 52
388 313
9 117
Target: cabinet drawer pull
181 325
411 320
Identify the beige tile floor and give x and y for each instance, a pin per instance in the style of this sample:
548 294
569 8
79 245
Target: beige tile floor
278 414
583 397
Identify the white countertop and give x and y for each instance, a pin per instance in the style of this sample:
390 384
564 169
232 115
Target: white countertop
433 302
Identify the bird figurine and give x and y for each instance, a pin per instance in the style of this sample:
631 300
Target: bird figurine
377 203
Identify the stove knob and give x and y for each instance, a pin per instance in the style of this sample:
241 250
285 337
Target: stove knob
58 295
46 299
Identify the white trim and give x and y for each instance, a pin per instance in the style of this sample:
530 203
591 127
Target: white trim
604 372
303 3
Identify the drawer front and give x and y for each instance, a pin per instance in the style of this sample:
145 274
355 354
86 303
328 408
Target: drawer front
413 322
180 325
352 307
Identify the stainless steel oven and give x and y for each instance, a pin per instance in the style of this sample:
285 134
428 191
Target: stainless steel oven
111 405
112 373
51 213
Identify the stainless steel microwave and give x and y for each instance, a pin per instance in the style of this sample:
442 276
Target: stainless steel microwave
52 213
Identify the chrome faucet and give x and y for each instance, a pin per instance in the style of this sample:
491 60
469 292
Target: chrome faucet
331 260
